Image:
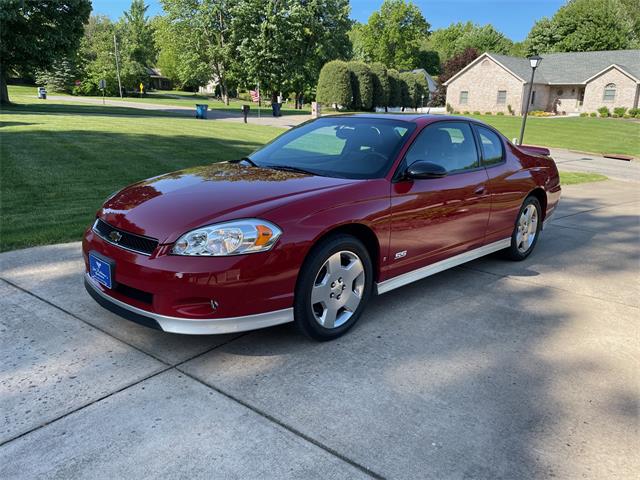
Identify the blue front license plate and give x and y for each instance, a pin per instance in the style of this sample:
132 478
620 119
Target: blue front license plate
100 270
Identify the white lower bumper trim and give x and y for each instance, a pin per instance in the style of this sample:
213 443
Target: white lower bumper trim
205 326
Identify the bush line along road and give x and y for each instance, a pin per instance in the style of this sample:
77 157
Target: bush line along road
82 153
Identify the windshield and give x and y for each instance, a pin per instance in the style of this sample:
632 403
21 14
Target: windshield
346 147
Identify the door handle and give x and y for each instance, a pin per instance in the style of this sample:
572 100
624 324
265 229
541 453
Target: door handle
479 190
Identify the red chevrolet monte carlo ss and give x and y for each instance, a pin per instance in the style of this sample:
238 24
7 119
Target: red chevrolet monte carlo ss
308 227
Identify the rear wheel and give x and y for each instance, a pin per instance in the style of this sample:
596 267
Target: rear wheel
526 231
334 286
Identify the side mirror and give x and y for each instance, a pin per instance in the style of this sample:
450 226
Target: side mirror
423 169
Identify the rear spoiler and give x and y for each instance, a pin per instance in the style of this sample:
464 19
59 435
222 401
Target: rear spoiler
535 150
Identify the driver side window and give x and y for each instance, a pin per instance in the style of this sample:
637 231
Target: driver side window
448 144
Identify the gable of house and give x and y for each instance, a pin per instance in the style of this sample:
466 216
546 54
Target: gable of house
485 85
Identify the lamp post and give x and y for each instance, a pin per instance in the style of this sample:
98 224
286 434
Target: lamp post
534 62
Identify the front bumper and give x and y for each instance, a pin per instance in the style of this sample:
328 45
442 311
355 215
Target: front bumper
201 326
195 295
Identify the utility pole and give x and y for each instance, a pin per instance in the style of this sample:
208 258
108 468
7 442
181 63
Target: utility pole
115 47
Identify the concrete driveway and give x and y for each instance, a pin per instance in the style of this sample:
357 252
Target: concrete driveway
492 370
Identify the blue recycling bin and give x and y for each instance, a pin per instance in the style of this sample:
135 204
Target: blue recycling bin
201 110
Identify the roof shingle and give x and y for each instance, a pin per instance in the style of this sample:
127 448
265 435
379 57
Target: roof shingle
572 67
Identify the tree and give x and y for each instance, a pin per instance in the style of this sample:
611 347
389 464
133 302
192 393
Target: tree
356 38
139 34
206 29
34 33
334 84
457 37
59 77
361 86
380 80
98 61
484 38
393 35
178 60
583 26
263 32
324 38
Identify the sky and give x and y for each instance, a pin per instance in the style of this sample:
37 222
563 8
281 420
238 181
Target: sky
514 18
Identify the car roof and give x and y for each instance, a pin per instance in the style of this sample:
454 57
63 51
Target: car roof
419 118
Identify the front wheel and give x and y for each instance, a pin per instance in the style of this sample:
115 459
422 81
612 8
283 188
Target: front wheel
334 286
526 231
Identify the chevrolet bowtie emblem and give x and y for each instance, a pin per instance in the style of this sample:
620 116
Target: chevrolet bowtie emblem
115 236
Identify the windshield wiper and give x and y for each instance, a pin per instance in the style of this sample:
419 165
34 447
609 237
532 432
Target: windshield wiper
286 168
244 159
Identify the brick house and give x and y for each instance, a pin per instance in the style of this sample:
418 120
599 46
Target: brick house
564 82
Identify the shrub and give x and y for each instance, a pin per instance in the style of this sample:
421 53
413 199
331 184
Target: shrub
456 112
500 113
361 86
380 80
416 89
626 115
334 84
615 115
510 109
488 113
395 94
476 113
466 112
449 108
603 111
634 111
407 89
584 114
638 115
593 114
620 111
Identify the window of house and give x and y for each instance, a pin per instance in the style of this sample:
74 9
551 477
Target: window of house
609 93
491 146
502 97
464 97
449 144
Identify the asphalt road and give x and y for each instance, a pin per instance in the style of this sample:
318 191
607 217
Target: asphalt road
493 370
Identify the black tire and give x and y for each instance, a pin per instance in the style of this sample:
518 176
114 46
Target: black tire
514 252
305 317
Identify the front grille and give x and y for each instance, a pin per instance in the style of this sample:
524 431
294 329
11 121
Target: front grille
126 240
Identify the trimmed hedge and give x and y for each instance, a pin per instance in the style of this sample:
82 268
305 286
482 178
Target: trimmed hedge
361 86
380 80
395 92
334 84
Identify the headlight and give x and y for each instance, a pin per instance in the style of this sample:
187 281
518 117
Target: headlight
230 238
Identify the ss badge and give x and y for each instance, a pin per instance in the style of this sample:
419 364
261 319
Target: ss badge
401 254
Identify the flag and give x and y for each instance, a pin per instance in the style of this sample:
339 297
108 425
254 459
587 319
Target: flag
255 95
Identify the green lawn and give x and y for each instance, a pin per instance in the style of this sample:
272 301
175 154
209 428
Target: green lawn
57 167
597 135
574 178
59 160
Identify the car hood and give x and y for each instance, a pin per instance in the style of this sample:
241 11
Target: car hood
167 206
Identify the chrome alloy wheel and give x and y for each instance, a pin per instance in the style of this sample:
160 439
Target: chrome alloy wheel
337 289
527 228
